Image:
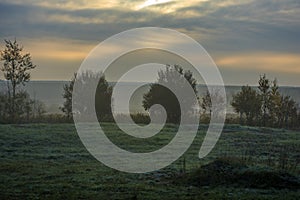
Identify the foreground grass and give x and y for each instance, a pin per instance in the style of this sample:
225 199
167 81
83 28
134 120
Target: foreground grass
46 161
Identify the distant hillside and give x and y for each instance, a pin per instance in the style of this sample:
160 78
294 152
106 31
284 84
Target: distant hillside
50 92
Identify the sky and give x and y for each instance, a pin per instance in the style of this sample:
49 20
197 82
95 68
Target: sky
245 38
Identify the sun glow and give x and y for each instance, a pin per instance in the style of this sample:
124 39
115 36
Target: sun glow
152 2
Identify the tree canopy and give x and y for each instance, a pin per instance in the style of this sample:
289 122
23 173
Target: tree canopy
102 96
158 94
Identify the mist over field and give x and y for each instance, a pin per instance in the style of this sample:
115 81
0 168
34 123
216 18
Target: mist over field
50 92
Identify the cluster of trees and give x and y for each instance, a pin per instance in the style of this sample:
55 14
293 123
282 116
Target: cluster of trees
266 106
24 110
102 98
157 94
15 103
261 106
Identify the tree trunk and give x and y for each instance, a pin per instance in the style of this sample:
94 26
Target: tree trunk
14 84
241 118
13 112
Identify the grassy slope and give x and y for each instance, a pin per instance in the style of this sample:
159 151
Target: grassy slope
49 161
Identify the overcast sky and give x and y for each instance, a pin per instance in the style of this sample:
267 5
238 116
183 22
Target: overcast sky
245 38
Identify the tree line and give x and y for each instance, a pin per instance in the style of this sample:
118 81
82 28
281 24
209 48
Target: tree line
266 106
256 106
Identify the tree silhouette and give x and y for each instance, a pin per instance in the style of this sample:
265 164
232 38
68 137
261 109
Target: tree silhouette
274 104
16 69
264 86
102 96
67 95
159 94
288 111
247 102
103 99
267 107
206 104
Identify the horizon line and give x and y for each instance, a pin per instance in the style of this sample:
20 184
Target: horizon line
235 85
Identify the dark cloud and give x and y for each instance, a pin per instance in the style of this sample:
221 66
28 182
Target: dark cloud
258 24
222 27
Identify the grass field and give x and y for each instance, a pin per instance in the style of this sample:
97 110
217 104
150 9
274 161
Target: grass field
48 161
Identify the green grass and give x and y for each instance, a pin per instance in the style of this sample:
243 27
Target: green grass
48 161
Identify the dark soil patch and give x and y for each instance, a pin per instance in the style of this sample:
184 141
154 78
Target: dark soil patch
234 173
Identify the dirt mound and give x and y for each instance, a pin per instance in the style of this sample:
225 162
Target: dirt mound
269 179
234 172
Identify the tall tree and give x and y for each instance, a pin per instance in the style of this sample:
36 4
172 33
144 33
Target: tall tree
288 112
264 88
275 103
102 97
206 104
159 94
67 95
213 94
247 102
16 69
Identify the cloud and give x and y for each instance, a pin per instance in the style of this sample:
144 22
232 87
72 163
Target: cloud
70 4
53 48
148 3
226 28
262 61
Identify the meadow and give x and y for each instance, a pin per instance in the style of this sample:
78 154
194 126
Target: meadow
48 161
